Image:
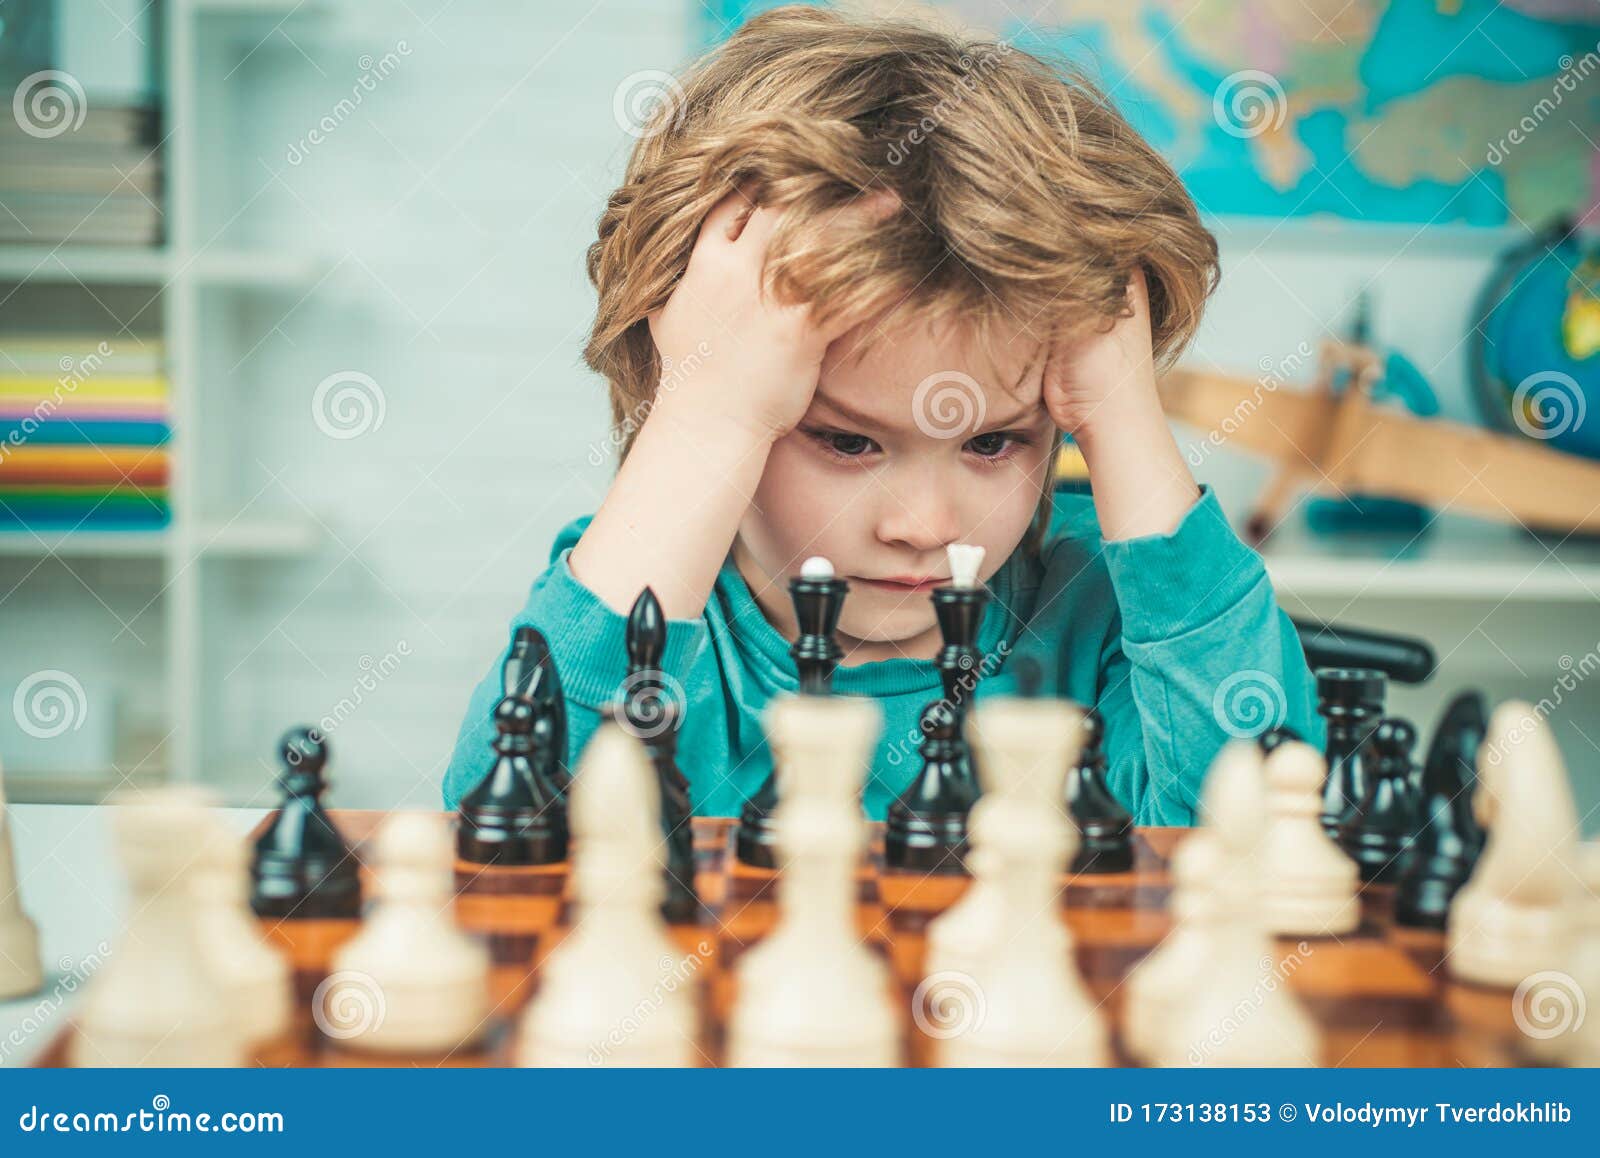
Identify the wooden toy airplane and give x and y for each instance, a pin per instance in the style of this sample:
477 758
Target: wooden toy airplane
1341 442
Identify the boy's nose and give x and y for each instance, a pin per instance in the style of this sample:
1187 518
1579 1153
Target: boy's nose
917 515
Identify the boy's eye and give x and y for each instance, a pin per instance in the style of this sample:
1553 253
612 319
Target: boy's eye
845 445
992 445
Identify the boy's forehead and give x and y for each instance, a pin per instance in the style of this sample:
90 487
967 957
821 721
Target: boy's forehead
876 370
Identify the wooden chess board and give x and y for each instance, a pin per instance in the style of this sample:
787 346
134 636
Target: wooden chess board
1382 995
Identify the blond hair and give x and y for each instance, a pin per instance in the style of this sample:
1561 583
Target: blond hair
1027 199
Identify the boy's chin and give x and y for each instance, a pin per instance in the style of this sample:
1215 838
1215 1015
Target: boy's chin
909 625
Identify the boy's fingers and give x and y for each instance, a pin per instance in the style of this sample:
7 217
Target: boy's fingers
724 219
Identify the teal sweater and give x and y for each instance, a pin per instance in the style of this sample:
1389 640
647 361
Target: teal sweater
1175 638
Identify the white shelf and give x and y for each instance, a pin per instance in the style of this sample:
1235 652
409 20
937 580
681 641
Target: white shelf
1457 559
90 264
130 265
253 538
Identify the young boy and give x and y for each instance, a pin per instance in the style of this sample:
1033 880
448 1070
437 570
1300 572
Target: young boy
859 279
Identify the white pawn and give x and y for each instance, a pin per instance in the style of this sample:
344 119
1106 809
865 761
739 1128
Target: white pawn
155 1003
1029 1006
1237 1009
812 993
1158 985
254 977
416 983
1024 747
614 991
1513 917
1310 885
822 745
20 968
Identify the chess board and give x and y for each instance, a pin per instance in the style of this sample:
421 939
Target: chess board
1382 995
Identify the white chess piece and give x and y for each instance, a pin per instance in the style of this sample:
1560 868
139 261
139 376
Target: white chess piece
1157 985
419 983
154 1002
812 993
1024 748
822 745
1309 884
21 971
1237 1009
615 991
1513 917
254 977
1028 1005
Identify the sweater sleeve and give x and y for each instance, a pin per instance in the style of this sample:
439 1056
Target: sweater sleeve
587 642
1204 656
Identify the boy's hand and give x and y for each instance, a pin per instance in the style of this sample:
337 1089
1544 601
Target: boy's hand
765 357
1098 379
1101 389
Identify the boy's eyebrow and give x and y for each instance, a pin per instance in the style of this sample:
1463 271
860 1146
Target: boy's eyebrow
856 418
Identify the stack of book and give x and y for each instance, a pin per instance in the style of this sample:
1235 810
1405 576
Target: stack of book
83 434
94 182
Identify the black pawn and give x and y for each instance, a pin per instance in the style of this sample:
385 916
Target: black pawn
1449 840
927 826
517 814
1351 700
1105 829
1379 832
302 867
654 716
817 604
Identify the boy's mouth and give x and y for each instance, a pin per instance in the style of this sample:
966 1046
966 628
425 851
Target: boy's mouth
904 584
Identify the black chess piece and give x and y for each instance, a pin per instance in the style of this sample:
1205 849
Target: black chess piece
926 827
1449 839
655 716
1105 828
517 814
302 868
1274 738
926 831
1351 700
1380 830
817 604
